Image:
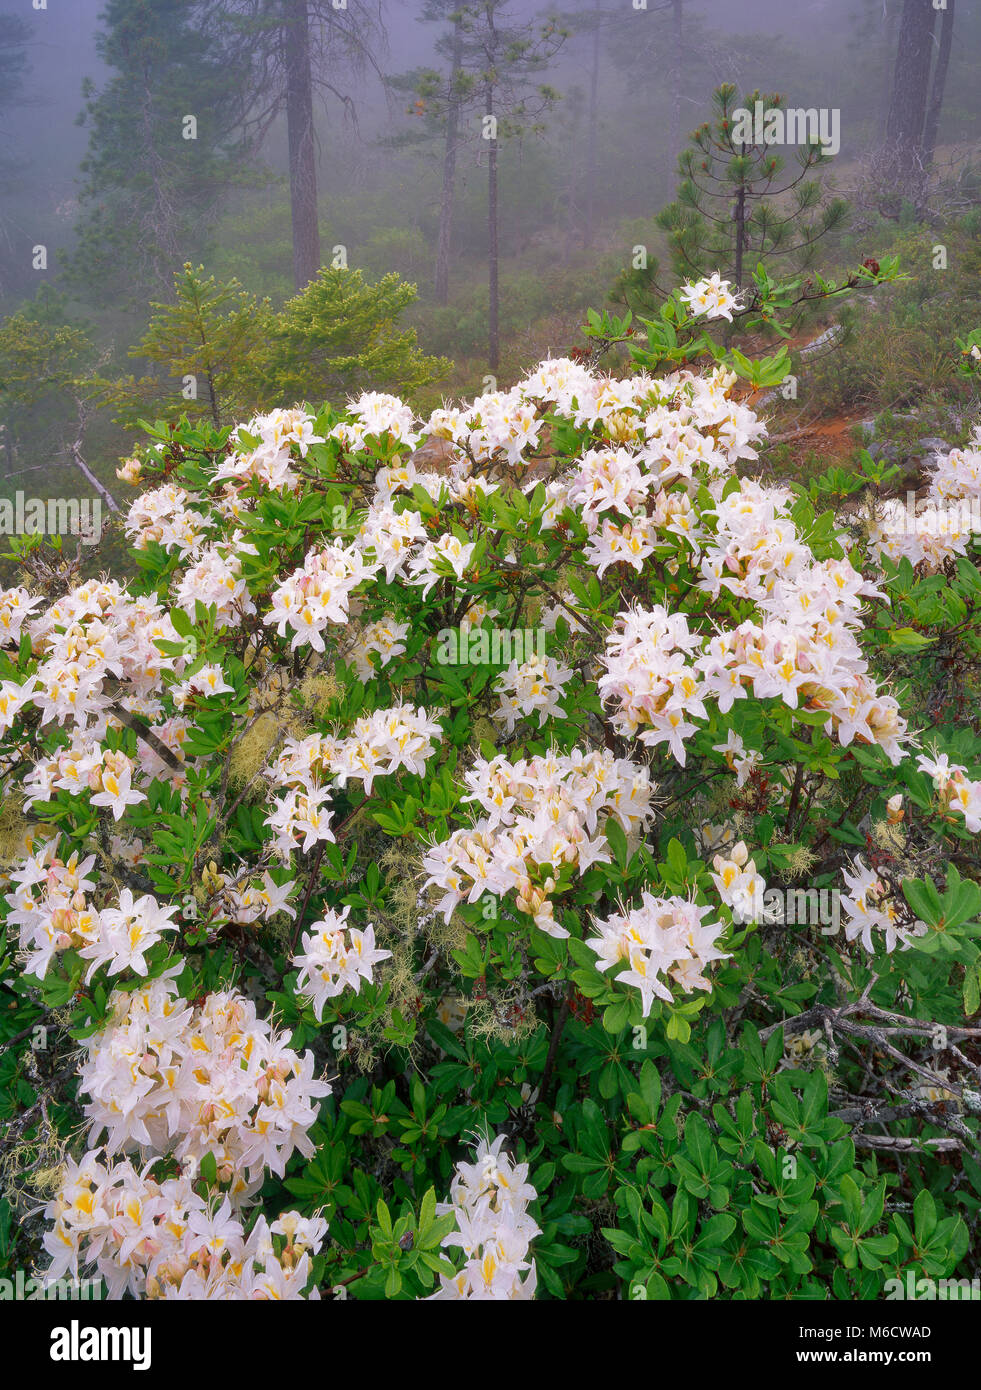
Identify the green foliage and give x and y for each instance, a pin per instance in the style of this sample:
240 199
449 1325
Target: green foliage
735 208
151 180
218 346
41 351
768 1137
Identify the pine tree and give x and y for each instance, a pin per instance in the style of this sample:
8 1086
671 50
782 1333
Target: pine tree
218 353
165 145
287 52
900 168
439 101
736 206
43 353
931 125
502 57
15 35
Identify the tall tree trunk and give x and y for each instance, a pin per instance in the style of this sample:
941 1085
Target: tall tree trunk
493 332
444 236
160 224
890 15
588 221
739 217
939 82
571 166
911 78
676 82
303 162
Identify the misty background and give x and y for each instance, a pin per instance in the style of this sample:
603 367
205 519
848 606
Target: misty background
324 137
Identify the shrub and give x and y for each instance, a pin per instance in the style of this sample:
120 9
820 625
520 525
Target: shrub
576 799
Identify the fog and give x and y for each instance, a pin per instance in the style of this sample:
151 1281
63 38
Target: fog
107 190
826 52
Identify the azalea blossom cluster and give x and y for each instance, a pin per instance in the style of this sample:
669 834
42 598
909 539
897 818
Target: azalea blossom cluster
928 536
379 744
104 775
740 760
663 939
93 645
678 430
301 818
53 906
318 594
804 650
490 1199
99 668
957 791
242 897
649 679
264 448
382 743
711 297
738 883
170 517
173 1083
216 579
160 1238
385 639
380 415
957 474
539 815
530 687
439 559
16 606
170 1078
336 956
871 906
942 525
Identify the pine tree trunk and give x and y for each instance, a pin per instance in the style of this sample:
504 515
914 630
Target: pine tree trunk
740 221
493 332
911 78
588 222
303 162
571 163
739 213
932 124
444 236
889 20
676 82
